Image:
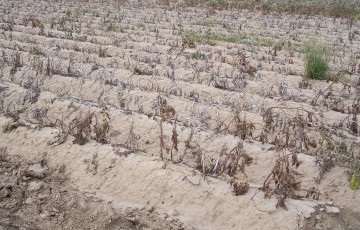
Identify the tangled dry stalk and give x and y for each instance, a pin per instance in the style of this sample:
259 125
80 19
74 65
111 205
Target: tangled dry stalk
204 88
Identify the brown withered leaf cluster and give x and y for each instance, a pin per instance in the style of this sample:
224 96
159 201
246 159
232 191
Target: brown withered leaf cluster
284 178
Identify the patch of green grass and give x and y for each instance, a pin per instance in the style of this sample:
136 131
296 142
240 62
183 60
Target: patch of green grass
233 38
201 38
88 10
316 60
69 33
218 2
197 55
355 176
260 41
89 50
9 26
355 181
207 22
113 27
223 2
140 24
194 36
84 10
357 16
46 21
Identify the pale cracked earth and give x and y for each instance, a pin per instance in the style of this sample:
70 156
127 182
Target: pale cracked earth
92 93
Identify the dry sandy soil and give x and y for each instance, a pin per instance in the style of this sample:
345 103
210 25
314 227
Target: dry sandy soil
139 117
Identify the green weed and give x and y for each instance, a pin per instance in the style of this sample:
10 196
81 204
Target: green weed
355 177
88 50
140 24
69 33
357 16
114 27
9 26
207 22
202 38
85 10
316 60
101 131
197 55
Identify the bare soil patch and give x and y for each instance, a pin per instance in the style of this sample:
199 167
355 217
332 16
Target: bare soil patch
135 115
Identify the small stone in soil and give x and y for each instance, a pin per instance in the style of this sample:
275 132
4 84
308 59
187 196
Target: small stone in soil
332 210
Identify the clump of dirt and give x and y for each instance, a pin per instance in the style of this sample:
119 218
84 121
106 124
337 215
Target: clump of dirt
33 196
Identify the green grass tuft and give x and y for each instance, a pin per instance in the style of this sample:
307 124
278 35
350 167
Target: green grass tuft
197 55
202 38
207 22
357 16
316 60
113 27
140 24
354 180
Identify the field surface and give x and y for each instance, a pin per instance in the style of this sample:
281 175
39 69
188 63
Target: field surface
145 116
